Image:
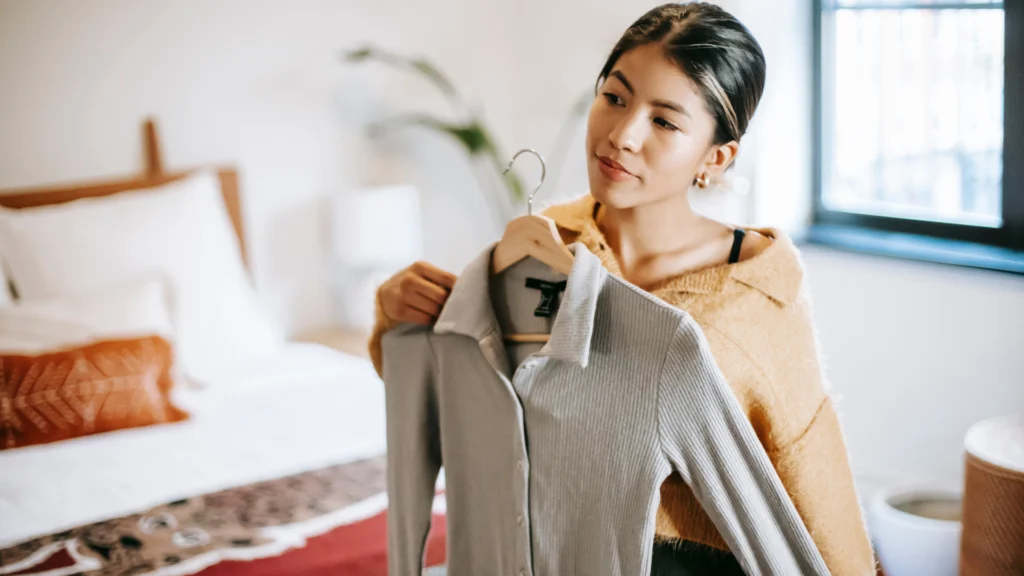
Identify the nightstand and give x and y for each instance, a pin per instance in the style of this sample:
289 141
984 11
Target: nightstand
352 341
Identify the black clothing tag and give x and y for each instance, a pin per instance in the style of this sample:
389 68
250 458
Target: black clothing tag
548 292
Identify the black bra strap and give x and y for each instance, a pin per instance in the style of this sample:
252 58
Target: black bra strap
737 241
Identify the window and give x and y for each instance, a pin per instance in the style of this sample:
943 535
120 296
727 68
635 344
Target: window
920 125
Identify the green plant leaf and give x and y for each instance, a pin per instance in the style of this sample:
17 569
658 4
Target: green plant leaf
472 134
436 77
419 65
358 55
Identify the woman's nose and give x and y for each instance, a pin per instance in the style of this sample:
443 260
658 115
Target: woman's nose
627 134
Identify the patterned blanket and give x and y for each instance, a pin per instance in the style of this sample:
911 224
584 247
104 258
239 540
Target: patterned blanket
248 523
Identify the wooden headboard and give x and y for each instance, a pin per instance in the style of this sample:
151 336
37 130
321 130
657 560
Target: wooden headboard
154 175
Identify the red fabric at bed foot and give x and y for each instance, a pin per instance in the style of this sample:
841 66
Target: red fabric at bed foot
358 549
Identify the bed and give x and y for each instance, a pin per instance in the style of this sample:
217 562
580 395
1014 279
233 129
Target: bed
278 469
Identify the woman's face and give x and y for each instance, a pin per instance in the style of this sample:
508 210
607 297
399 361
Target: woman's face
649 134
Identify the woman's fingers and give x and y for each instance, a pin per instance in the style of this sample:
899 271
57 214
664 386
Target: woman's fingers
417 294
413 284
440 277
414 316
423 304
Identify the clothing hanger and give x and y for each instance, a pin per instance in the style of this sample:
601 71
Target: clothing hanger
532 236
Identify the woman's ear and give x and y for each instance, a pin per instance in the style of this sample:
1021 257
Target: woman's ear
720 157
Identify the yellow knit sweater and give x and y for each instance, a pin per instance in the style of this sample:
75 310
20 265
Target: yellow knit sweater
757 319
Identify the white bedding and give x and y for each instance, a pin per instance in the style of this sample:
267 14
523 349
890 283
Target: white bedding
304 408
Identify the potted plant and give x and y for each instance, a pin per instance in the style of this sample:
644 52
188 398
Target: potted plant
468 128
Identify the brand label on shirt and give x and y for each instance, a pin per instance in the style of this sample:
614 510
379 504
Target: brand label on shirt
548 292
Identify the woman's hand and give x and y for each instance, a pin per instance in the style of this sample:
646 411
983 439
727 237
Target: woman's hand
416 294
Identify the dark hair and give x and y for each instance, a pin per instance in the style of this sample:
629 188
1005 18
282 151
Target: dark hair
714 49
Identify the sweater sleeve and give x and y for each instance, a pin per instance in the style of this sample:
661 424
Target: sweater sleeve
806 445
815 470
380 326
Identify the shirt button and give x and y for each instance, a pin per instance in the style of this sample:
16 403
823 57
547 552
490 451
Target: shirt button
520 465
523 573
519 519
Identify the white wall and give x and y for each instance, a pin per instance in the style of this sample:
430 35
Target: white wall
917 352
257 84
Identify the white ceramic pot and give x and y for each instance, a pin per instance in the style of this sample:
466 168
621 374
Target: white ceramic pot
909 536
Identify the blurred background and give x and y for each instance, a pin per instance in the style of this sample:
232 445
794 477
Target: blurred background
879 142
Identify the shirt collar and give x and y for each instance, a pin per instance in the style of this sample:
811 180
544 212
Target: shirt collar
468 310
776 272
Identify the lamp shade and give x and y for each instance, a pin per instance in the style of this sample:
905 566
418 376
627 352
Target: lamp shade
377 226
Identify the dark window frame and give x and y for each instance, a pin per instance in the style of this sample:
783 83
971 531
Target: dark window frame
1000 249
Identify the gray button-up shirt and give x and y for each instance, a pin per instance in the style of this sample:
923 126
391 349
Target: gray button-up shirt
553 465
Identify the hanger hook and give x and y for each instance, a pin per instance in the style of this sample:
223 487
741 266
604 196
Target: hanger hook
543 174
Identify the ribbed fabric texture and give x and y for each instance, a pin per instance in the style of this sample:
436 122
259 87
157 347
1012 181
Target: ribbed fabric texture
709 441
553 465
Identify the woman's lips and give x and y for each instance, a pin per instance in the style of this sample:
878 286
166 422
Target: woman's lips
613 170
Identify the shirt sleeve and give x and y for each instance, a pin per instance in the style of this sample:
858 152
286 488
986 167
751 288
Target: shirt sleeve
708 440
413 441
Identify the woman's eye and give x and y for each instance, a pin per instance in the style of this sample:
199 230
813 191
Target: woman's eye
613 99
666 124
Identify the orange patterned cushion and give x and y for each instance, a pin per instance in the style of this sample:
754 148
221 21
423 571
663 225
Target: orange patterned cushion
99 387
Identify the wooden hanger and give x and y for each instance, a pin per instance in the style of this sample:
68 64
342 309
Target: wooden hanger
531 236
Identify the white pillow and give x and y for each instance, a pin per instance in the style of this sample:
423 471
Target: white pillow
181 230
128 310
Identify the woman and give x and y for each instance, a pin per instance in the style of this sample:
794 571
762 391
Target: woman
674 99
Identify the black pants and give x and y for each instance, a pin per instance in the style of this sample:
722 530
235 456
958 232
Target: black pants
692 559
